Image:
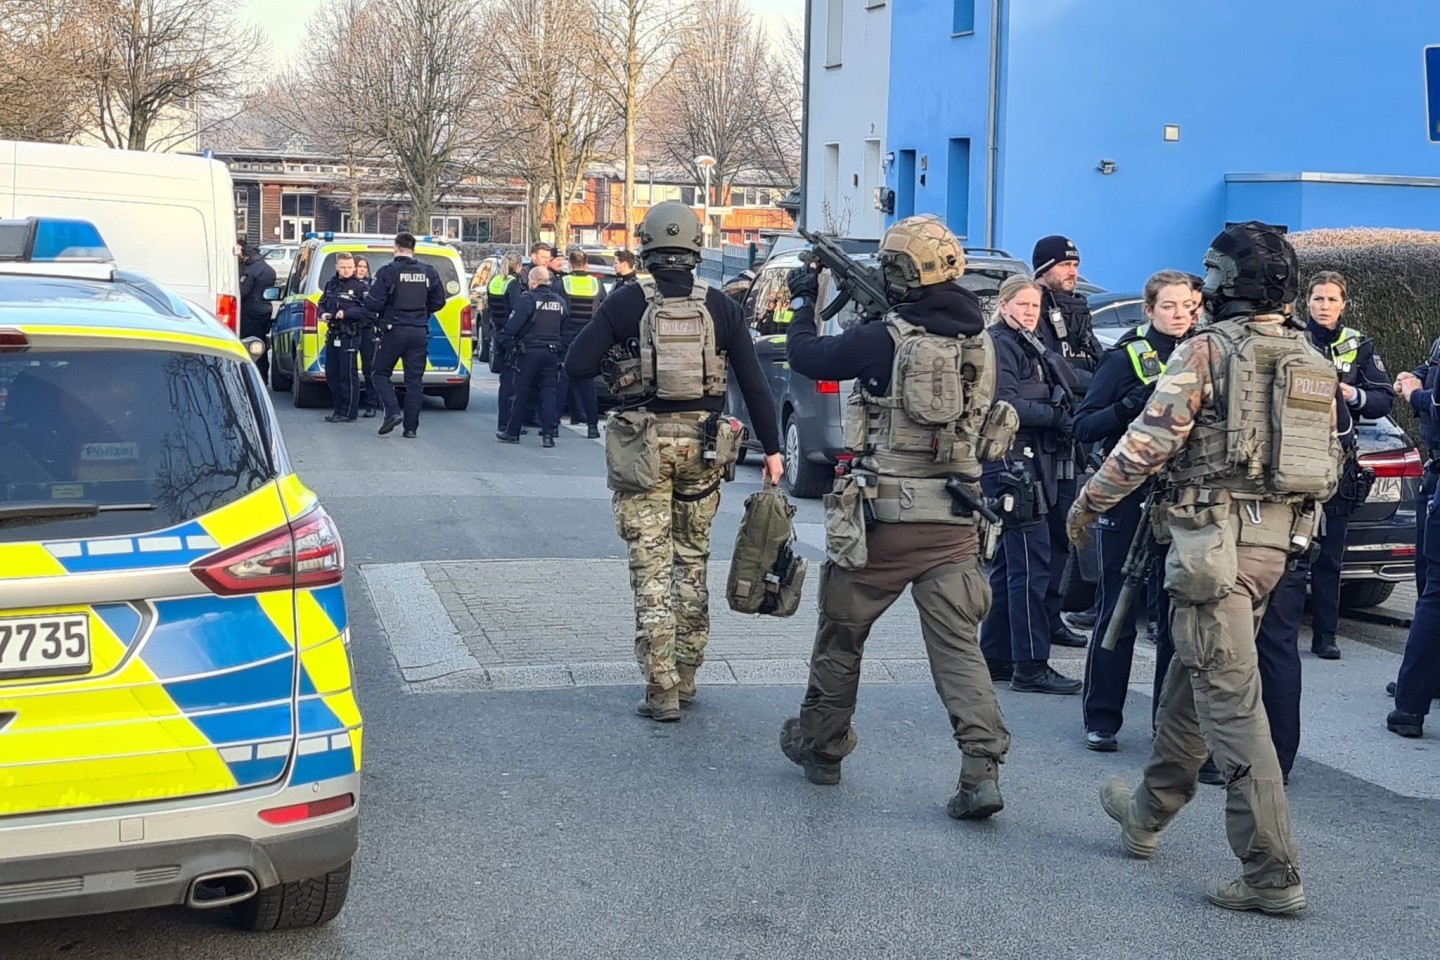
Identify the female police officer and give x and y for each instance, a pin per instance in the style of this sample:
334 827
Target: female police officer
1038 383
1117 394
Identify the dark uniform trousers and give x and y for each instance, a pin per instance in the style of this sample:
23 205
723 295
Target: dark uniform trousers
1419 680
1325 572
1064 498
1211 705
342 373
369 344
1427 490
258 327
408 344
578 396
1018 626
507 393
1107 672
538 368
951 599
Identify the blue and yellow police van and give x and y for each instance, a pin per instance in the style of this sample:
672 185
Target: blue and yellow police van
178 721
297 340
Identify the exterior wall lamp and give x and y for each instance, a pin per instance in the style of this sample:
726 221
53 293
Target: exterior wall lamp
1106 167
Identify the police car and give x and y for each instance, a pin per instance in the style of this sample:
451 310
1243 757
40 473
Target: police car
297 339
178 723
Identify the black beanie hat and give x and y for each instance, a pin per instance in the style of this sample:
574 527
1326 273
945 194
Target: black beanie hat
1052 250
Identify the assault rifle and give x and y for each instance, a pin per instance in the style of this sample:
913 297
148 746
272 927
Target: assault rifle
1137 565
864 285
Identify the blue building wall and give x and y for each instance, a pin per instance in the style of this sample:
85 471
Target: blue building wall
1278 87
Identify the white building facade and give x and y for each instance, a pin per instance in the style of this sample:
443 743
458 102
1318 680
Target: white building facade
849 69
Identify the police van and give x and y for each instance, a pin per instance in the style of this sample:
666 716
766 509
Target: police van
178 722
297 340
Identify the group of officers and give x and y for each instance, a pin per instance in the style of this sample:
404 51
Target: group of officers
956 417
536 308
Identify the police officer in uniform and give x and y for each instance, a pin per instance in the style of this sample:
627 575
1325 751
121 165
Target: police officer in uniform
505 287
1066 328
404 295
584 293
914 535
342 308
535 328
1118 392
1418 388
369 342
1036 381
624 269
1239 502
666 524
256 313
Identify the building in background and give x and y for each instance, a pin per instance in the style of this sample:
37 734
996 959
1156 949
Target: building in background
849 47
1139 129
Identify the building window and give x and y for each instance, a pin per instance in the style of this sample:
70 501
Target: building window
687 195
297 216
834 32
447 227
830 210
763 198
242 213
964 17
957 207
905 185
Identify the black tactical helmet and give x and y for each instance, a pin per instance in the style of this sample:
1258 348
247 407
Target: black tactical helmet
1251 268
670 234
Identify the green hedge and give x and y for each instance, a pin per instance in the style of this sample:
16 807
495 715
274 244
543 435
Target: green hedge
1394 281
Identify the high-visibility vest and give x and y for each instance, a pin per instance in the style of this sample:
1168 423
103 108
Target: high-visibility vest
1147 363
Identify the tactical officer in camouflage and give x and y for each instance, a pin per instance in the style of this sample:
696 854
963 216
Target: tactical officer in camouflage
921 420
1240 502
673 337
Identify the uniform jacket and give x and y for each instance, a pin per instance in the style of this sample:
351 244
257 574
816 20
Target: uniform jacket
381 300
1103 417
347 294
1375 395
256 277
1028 381
501 304
618 321
539 318
1423 401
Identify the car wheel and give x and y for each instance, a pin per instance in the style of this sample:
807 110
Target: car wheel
278 381
457 398
304 394
290 906
1359 594
804 480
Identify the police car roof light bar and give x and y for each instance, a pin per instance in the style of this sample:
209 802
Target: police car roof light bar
51 240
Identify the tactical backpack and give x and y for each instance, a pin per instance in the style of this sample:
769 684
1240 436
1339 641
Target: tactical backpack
766 576
1270 431
678 359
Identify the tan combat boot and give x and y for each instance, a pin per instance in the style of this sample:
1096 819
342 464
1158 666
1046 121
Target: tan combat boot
977 795
660 703
687 683
1119 802
1239 895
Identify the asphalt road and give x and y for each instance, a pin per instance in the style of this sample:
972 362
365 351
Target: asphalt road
553 823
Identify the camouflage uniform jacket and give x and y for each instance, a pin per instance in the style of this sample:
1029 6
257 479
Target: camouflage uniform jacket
1161 430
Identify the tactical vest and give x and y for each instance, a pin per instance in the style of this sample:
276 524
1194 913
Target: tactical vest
1345 349
678 359
940 418
1267 435
1144 359
411 288
583 290
546 322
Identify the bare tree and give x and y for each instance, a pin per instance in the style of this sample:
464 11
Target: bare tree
549 93
41 92
779 119
634 45
718 85
144 59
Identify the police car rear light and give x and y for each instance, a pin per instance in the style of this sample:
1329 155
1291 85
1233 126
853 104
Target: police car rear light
308 811
1395 464
227 308
13 340
304 553
827 386
467 321
310 321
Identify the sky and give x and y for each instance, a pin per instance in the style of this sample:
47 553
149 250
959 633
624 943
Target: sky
284 20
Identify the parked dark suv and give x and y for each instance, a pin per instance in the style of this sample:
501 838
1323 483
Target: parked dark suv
811 411
1380 543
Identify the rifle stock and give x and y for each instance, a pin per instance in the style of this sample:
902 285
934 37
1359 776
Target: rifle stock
1137 562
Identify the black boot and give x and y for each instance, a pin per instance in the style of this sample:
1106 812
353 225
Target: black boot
1065 637
1037 676
1324 646
1000 670
1405 724
977 795
547 441
593 433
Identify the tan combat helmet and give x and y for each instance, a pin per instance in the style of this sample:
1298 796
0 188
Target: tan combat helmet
920 251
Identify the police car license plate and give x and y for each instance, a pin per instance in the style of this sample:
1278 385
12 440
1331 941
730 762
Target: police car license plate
1386 490
44 646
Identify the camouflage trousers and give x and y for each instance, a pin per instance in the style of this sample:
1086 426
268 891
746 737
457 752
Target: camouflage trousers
667 531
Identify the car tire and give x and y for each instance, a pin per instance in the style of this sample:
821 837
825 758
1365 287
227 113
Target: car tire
457 398
278 381
1359 594
304 394
291 906
803 479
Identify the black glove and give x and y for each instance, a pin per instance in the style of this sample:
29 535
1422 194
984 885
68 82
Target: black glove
804 283
1064 423
1135 400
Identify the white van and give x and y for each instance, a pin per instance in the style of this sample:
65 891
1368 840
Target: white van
167 216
